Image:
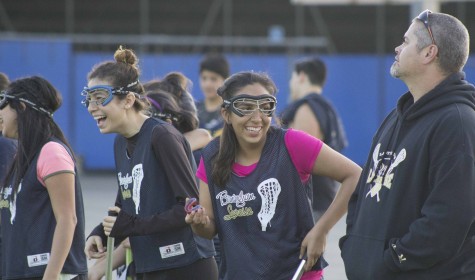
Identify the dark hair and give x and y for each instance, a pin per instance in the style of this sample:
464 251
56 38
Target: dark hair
4 81
177 86
314 68
120 73
163 103
216 63
35 128
223 161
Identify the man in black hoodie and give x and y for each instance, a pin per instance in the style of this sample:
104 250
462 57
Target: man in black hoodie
412 215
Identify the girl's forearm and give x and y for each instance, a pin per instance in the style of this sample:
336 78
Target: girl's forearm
62 240
339 206
206 231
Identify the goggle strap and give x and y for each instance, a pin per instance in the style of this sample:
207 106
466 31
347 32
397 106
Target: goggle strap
161 115
36 107
154 103
124 90
4 96
132 84
226 103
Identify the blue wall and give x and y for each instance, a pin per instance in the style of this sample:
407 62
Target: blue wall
359 86
51 60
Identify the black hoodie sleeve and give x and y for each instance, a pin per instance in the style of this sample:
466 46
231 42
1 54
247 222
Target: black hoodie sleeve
447 216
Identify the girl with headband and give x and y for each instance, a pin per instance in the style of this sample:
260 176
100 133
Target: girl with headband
41 205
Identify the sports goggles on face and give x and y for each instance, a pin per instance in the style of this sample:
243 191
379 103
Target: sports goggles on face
103 94
5 97
246 105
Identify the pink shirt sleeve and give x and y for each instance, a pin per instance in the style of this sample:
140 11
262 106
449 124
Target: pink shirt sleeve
312 275
303 149
201 171
53 159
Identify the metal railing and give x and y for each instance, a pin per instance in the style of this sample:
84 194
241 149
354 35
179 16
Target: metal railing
181 43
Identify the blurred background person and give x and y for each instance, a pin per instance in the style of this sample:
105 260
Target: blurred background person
311 112
172 101
214 69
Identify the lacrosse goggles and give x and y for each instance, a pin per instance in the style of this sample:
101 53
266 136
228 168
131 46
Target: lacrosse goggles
246 105
5 97
103 94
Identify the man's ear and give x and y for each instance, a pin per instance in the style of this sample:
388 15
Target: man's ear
431 52
302 77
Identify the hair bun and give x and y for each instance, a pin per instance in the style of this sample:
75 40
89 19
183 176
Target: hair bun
126 56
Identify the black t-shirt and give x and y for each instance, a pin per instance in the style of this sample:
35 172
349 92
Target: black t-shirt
211 121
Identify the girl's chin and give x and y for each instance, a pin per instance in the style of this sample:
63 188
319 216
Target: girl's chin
105 131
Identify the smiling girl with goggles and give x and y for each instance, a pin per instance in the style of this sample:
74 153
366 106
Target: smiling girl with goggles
246 105
5 97
103 94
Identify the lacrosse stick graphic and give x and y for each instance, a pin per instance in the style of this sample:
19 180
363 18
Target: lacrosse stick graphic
137 176
269 191
13 204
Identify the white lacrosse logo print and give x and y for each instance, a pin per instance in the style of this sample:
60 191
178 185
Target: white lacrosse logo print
269 191
137 176
13 204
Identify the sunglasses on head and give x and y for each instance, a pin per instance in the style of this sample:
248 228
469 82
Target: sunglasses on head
5 98
103 94
424 18
246 105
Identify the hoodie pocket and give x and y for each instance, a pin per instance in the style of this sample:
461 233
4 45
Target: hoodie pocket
363 258
341 242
